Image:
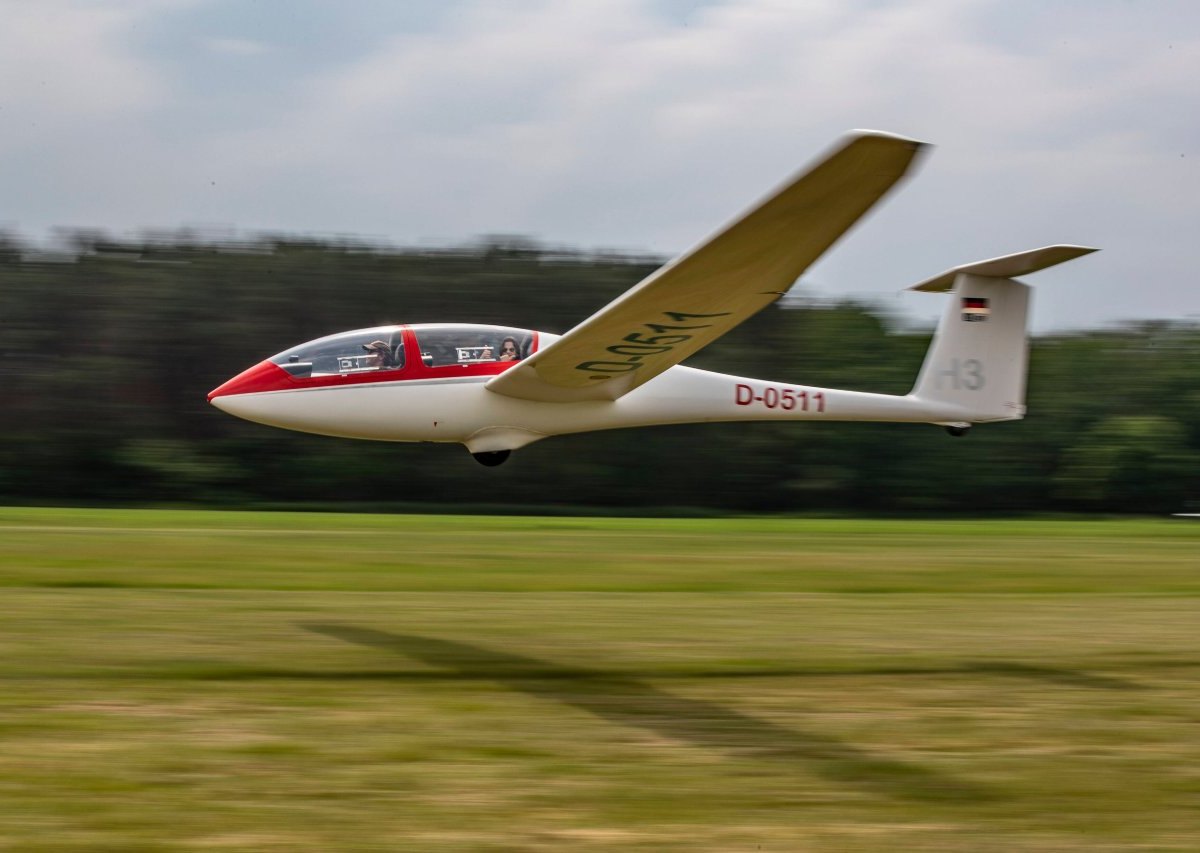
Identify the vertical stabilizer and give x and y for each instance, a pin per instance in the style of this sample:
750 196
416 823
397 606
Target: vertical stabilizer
978 358
979 352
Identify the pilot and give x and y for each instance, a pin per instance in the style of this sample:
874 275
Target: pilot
379 354
509 351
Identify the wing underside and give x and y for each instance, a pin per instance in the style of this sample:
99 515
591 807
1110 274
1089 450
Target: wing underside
695 299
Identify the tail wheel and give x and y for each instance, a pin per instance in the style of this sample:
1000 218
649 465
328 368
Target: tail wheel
492 458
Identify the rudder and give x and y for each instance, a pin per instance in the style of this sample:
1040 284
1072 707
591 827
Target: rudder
977 361
979 353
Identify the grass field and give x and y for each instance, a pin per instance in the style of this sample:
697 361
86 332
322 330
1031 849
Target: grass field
253 681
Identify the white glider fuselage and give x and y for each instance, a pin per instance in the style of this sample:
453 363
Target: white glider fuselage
463 410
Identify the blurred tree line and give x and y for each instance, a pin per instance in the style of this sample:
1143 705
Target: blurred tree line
108 347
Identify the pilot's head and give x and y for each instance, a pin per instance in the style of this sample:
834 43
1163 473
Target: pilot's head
379 354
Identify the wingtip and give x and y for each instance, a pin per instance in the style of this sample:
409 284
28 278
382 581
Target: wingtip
1066 251
864 133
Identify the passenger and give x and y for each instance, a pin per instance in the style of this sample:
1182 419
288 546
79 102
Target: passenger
509 351
379 355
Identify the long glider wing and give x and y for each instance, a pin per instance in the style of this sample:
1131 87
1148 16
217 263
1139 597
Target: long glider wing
698 297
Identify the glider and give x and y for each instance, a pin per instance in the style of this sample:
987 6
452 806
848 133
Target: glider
496 389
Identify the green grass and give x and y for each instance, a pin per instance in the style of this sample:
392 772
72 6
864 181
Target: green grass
175 680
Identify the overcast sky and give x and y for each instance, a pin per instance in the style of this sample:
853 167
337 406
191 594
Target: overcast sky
640 125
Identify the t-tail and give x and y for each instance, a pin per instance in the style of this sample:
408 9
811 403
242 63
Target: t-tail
978 358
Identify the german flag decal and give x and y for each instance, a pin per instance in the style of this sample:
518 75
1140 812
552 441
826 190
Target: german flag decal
974 309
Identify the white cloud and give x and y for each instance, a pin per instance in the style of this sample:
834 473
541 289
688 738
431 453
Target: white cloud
605 123
235 46
66 62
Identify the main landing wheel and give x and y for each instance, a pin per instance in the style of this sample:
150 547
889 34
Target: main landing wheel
492 458
958 431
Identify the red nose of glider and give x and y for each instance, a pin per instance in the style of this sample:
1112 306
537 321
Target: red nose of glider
264 376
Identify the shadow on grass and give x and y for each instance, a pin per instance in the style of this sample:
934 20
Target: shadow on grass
1052 675
221 671
629 702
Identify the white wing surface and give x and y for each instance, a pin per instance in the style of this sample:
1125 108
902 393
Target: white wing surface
693 300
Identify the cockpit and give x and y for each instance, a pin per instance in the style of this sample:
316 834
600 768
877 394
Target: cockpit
447 345
359 351
402 350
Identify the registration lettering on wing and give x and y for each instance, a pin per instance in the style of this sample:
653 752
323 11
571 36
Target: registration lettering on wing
650 339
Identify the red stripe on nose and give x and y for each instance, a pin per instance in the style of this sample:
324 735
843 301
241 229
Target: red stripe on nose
264 376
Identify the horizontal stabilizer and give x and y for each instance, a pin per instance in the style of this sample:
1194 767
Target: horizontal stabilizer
1008 266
